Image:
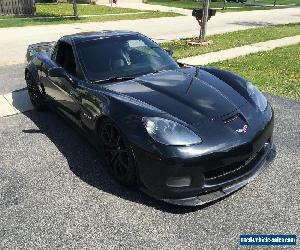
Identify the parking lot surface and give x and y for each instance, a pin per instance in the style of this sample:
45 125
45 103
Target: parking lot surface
54 194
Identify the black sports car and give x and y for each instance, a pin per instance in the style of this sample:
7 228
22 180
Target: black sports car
186 135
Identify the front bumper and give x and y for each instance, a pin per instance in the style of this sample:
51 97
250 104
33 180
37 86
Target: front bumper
213 173
264 160
267 158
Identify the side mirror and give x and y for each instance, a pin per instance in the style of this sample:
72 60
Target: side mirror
57 72
169 51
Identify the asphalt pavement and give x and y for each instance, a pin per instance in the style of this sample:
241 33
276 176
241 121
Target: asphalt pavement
54 194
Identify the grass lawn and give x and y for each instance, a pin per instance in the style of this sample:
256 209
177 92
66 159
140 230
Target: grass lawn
276 72
64 9
233 39
192 4
282 2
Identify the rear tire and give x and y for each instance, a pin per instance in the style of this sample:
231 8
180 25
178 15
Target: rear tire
37 98
117 153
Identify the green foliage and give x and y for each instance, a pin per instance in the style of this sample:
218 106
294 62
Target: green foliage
280 2
233 39
64 9
276 72
192 4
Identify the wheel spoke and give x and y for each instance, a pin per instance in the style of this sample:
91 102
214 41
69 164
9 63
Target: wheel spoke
118 141
122 170
115 157
116 168
124 159
106 137
124 165
118 150
111 133
112 155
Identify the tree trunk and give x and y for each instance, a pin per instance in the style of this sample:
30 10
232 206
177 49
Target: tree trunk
224 5
75 8
274 3
204 21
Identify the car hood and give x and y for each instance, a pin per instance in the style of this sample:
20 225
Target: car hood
190 94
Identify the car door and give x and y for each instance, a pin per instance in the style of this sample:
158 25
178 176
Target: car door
64 90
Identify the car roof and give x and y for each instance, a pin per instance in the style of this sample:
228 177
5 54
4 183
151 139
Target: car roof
88 36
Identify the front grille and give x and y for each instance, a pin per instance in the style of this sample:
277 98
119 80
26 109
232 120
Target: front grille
237 168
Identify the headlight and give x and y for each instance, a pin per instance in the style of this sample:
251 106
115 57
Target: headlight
259 99
169 132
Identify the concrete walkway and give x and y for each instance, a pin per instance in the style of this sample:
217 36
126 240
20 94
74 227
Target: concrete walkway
157 7
14 103
240 51
14 41
18 101
142 6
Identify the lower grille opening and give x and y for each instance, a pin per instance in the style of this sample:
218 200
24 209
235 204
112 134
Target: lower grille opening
241 167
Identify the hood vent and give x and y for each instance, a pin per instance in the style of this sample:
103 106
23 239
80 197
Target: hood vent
231 118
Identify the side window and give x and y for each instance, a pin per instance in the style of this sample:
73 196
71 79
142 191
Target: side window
65 57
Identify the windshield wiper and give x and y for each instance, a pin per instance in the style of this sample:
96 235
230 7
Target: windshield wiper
126 78
115 78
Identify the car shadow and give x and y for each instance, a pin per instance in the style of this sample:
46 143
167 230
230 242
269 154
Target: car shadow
85 161
20 100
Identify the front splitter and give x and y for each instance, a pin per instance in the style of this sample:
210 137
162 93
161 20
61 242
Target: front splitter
227 190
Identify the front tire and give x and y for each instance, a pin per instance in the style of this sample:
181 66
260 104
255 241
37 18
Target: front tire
117 153
36 96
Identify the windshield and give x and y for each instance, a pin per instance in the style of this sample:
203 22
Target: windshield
124 56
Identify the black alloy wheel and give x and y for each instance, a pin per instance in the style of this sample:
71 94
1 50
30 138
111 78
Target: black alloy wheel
35 93
117 153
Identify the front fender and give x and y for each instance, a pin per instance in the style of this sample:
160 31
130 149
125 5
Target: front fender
125 111
237 82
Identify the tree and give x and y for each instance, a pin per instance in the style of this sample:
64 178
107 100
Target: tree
202 16
203 23
274 3
75 8
224 4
